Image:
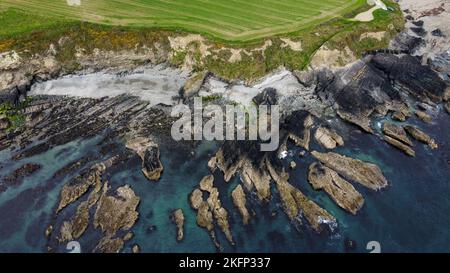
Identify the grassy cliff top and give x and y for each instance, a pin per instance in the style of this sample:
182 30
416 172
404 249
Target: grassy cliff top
228 20
30 27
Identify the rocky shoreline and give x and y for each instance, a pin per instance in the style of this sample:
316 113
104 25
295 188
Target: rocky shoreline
381 86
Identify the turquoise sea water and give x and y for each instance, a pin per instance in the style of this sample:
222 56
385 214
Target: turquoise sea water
411 215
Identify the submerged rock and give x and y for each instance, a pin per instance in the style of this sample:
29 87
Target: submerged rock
403 114
196 199
177 217
340 190
367 174
421 136
239 201
328 138
17 176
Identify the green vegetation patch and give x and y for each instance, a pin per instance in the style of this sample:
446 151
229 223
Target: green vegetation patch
232 20
12 115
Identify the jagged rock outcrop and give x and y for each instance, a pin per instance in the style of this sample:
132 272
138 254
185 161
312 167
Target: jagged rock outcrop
367 174
17 176
328 138
424 116
239 200
410 75
79 186
421 136
113 213
402 114
193 84
136 249
299 124
400 145
210 211
396 136
254 177
340 190
148 150
267 97
207 183
306 78
177 217
296 204
116 212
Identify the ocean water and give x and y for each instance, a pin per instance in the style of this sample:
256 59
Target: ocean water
410 215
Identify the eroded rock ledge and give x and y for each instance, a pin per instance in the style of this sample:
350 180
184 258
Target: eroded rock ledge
367 174
340 190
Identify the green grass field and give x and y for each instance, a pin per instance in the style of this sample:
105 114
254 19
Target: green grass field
231 20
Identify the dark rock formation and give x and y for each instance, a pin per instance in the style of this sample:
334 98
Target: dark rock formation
267 97
418 23
298 125
149 153
437 32
419 31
